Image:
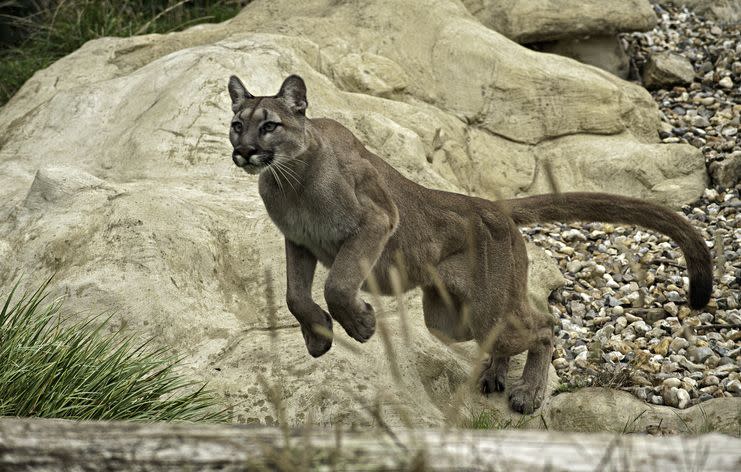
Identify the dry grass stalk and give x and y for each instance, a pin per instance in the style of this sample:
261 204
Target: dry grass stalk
381 326
272 309
340 341
636 268
551 177
397 287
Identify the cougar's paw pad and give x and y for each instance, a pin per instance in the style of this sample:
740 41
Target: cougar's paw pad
524 399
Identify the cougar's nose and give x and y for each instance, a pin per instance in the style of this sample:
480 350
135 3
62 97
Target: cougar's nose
241 155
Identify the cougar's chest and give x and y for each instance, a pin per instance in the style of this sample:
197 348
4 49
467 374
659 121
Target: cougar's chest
312 220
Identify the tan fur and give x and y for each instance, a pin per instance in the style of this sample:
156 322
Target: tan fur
339 204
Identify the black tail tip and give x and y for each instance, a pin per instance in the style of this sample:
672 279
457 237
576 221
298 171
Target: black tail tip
700 291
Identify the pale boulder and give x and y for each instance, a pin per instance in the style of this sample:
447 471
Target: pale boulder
532 21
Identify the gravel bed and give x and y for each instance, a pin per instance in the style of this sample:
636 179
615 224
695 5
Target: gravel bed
624 321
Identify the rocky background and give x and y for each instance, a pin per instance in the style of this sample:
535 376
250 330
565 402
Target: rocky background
116 177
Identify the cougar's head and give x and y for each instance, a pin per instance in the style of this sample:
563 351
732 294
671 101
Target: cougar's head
267 130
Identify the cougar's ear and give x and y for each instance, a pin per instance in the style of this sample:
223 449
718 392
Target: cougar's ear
238 92
293 91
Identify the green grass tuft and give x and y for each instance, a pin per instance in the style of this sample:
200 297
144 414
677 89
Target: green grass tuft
58 368
491 419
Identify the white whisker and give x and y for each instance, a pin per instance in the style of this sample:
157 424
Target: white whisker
289 172
277 180
280 169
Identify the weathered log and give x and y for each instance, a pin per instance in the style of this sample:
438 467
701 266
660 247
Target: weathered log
54 445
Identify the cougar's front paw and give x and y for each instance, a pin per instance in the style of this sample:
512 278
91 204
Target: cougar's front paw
493 375
525 399
490 381
318 341
359 322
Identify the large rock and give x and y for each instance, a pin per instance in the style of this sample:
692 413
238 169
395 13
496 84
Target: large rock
582 30
115 174
602 409
532 21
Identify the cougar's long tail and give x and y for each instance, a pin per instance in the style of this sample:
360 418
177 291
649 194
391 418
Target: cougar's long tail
578 206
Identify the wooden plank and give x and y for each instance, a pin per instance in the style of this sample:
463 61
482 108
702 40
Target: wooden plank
54 445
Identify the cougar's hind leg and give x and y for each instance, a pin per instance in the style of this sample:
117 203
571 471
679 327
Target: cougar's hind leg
503 328
527 393
445 316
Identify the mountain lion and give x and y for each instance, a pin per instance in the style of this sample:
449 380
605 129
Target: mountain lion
337 203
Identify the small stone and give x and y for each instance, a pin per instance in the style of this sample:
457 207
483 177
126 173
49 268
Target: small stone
673 296
677 344
711 194
663 347
712 361
615 356
734 387
691 366
578 309
569 251
700 121
575 266
657 400
640 327
612 301
676 397
689 384
581 360
619 345
639 379
669 367
671 382
710 380
671 308
664 69
573 235
726 82
725 360
560 363
699 354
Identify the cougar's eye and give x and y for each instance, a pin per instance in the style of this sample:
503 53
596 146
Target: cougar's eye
237 127
269 127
